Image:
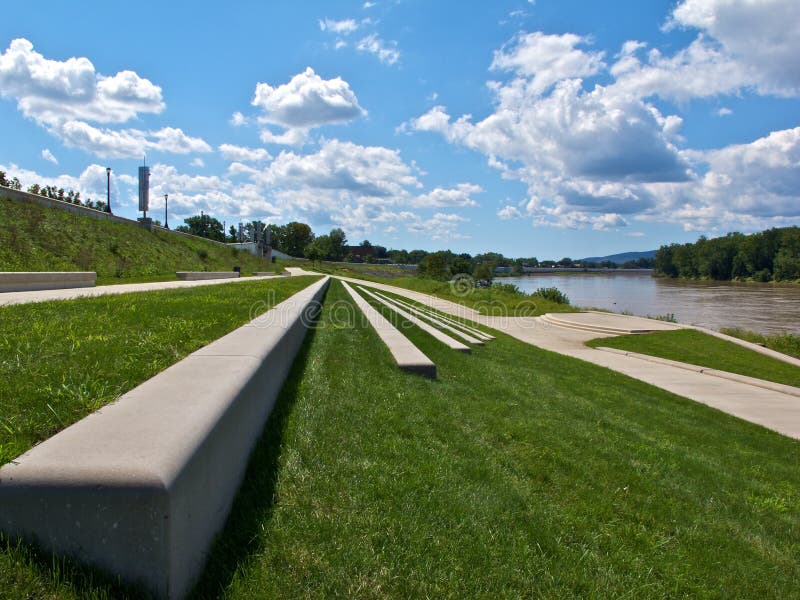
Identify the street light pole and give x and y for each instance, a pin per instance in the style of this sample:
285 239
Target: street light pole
108 189
166 211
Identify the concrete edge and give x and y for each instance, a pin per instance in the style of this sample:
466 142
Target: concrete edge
551 319
429 329
429 300
204 275
150 479
34 281
439 316
407 356
767 385
433 320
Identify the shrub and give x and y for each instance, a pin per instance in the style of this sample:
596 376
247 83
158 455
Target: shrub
202 253
553 294
506 287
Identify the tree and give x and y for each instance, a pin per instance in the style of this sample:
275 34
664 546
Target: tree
484 273
316 250
205 226
233 235
435 266
399 257
415 256
786 265
3 181
338 244
297 236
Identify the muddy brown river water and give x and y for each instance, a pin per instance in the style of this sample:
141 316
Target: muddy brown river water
761 307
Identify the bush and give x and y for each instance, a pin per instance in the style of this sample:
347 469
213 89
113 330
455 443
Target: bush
763 275
507 287
553 294
202 253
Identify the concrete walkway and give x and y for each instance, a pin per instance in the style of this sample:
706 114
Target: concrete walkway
567 334
8 298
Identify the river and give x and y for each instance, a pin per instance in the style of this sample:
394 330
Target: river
761 307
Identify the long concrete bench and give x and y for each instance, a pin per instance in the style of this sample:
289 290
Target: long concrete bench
432 320
45 280
407 356
430 330
141 486
271 274
201 275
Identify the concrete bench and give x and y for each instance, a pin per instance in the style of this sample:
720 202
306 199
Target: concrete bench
46 280
141 486
201 275
407 356
271 274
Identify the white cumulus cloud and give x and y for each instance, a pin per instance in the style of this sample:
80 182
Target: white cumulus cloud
53 92
243 154
461 195
761 35
305 102
547 59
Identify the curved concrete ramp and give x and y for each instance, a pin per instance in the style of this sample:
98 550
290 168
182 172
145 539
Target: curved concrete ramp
610 323
407 356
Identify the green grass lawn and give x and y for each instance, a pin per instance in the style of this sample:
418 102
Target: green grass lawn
518 473
38 238
61 360
697 348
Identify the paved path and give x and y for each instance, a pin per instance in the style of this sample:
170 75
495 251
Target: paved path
7 298
772 409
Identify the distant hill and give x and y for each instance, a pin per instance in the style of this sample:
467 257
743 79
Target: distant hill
621 258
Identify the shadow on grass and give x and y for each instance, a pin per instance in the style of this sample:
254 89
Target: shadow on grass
39 570
255 501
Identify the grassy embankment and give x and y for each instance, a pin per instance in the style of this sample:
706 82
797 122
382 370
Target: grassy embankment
499 300
59 361
517 473
37 238
698 348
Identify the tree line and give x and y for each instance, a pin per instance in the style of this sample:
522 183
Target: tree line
52 192
771 255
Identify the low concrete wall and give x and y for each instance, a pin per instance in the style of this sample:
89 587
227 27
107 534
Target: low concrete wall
271 274
22 281
20 196
141 486
203 275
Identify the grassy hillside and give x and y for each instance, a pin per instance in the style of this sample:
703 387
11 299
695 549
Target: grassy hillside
37 238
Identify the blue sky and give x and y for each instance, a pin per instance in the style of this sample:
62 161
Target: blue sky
549 128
